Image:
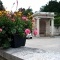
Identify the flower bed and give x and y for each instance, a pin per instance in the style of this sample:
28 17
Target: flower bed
11 24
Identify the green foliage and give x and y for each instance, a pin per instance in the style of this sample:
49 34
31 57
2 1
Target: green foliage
53 6
6 44
57 20
26 12
7 27
1 6
29 24
6 24
12 25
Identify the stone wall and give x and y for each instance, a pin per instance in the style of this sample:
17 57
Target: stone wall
9 54
1 58
56 30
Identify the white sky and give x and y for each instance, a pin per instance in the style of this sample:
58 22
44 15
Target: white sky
34 4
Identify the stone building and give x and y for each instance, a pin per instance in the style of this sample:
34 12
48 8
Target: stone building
44 22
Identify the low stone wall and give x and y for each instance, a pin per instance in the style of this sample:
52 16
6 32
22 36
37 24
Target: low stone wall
2 58
7 54
57 30
21 53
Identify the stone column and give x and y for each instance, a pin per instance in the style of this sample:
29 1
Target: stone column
38 27
52 27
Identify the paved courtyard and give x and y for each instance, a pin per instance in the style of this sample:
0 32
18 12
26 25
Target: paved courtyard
49 48
42 48
45 43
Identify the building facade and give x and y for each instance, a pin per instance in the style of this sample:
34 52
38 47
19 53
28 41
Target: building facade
44 22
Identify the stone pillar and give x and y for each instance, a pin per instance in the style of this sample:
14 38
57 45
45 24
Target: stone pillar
52 27
38 27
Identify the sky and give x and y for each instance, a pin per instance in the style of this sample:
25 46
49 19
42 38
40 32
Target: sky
34 4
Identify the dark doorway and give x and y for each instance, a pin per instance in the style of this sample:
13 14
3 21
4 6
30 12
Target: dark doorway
42 27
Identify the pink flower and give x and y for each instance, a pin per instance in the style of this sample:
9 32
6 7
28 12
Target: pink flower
35 32
27 31
24 18
0 29
8 15
13 19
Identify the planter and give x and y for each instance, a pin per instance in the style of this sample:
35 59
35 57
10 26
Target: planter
18 41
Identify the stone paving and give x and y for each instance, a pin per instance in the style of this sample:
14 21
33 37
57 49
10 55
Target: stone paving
42 48
51 46
45 43
27 53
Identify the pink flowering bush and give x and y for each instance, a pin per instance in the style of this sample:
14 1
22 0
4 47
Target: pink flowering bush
10 25
7 28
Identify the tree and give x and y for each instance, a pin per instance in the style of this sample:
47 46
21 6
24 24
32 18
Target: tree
26 12
53 6
1 6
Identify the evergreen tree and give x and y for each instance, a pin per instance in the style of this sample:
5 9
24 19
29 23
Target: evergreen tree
1 6
53 6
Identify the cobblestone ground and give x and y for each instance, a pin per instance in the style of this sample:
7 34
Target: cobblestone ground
51 46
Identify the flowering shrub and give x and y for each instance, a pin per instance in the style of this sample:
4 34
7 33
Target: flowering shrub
12 24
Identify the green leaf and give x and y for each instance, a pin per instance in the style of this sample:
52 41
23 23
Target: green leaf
13 31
